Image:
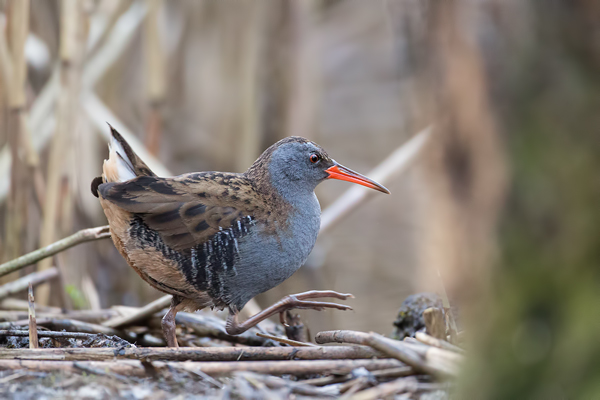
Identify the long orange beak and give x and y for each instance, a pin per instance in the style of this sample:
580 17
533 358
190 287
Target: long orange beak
342 173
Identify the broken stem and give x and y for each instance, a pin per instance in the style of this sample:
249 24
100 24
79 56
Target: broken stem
82 236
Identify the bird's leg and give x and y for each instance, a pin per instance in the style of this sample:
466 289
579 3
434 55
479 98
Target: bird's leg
168 323
234 327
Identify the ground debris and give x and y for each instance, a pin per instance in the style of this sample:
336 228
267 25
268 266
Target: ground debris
76 362
92 386
410 316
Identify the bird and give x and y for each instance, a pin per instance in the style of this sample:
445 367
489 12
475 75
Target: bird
218 239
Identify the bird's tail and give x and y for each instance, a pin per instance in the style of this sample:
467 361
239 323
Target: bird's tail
122 164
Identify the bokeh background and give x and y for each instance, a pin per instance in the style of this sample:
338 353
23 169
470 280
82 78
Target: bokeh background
501 208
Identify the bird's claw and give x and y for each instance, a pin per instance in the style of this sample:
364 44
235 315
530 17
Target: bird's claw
298 301
283 319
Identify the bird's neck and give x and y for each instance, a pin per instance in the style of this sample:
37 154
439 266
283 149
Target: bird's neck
298 193
272 180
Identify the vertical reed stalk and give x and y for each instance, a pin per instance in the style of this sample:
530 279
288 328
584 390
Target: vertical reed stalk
304 72
252 49
15 70
71 45
155 76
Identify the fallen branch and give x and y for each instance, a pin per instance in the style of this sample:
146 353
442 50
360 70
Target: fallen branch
136 368
82 236
183 353
274 382
384 390
442 359
22 305
49 334
285 340
90 316
101 372
354 385
426 362
21 284
442 344
68 325
382 373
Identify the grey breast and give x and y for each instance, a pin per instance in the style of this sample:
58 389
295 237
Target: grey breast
266 260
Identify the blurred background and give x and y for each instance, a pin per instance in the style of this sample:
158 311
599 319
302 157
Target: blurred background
501 208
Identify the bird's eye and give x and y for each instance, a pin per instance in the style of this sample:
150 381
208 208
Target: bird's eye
314 158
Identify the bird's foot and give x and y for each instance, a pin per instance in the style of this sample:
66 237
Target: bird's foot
299 301
290 302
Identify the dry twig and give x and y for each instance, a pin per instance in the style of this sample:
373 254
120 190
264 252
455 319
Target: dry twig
383 390
136 368
301 388
33 333
34 279
285 340
82 236
388 373
182 353
90 316
68 325
49 334
442 344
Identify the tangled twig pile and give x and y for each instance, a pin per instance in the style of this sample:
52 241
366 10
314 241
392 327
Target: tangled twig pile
95 353
80 346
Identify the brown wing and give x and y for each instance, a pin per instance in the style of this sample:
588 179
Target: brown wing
190 209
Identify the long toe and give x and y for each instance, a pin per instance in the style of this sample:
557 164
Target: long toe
318 294
317 305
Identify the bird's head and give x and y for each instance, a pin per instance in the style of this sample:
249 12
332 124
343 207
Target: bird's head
295 163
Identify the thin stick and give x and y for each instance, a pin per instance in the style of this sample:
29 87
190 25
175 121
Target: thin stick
298 387
285 340
33 279
182 353
66 324
141 314
50 334
82 236
384 390
382 373
16 305
442 344
33 334
136 368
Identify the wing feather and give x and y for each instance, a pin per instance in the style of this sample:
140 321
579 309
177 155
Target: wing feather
188 210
